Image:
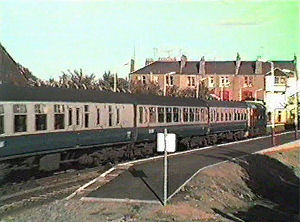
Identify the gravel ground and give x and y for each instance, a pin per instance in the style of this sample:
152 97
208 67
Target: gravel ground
231 191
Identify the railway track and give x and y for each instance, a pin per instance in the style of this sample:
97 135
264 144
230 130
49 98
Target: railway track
45 189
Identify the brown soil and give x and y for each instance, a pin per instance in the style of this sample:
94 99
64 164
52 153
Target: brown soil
256 188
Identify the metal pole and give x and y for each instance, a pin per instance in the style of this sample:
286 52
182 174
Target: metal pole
273 128
165 169
165 85
296 107
197 90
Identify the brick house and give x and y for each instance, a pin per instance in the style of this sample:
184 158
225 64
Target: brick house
227 80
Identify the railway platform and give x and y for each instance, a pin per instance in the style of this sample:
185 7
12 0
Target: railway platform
142 180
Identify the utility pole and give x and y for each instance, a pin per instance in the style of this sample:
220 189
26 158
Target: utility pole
296 106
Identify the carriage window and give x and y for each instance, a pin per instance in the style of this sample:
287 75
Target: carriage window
20 118
212 115
202 115
59 117
226 116
146 114
70 116
98 116
222 116
185 114
86 116
161 114
77 116
118 116
179 115
197 115
110 116
1 119
175 115
239 116
168 114
245 116
152 114
218 114
86 120
230 115
192 115
141 114
40 117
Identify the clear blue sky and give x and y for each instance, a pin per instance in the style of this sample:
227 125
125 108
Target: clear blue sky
49 37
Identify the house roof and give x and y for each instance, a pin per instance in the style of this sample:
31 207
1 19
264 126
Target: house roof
9 71
211 67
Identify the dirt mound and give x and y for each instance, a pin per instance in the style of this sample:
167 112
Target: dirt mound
254 188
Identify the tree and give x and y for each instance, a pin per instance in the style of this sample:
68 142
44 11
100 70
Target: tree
151 88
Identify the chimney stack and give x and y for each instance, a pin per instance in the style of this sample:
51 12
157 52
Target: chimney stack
183 61
258 66
202 66
237 63
132 65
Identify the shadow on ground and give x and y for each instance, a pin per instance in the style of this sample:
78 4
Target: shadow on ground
276 187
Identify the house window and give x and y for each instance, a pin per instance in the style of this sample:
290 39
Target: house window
191 81
144 80
1 119
59 117
279 117
171 80
248 80
276 80
40 117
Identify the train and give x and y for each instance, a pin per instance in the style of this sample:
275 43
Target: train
47 127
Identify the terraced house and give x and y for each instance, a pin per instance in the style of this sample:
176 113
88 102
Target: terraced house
234 80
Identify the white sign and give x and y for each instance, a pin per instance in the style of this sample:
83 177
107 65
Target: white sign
170 141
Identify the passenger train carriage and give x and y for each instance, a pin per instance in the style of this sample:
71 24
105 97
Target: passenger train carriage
45 127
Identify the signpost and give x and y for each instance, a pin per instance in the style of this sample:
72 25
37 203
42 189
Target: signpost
166 143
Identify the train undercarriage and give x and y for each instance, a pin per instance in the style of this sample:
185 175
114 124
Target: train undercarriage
79 158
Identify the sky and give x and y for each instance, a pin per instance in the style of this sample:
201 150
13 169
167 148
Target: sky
49 37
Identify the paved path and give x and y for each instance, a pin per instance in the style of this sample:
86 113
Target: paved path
144 181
